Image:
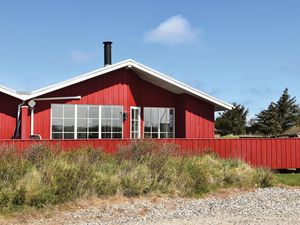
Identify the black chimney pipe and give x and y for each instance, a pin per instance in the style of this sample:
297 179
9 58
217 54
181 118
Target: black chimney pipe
107 53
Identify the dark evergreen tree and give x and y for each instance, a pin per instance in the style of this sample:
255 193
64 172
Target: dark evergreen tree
267 122
232 121
287 111
279 116
252 126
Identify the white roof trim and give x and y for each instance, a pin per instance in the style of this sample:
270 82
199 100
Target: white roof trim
220 105
10 92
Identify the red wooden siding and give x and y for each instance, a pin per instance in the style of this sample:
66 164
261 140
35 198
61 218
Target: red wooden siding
199 118
193 117
271 153
8 114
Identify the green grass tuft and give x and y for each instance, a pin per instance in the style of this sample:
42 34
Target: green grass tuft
291 179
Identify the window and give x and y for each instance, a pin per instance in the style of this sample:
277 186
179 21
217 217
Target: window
159 123
63 121
86 121
111 122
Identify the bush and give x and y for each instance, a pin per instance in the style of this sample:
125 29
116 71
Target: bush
45 175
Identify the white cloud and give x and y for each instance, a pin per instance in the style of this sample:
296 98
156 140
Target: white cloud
174 30
80 57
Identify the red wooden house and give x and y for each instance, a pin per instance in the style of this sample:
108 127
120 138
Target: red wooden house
121 100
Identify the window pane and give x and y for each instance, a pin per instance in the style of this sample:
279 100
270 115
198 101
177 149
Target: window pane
56 135
147 114
106 112
94 112
57 111
154 135
106 135
147 126
136 114
69 125
170 127
163 127
93 125
162 115
147 135
136 126
154 126
106 125
170 135
82 111
154 115
116 112
68 135
69 111
136 135
116 135
81 135
82 125
117 126
93 136
57 125
163 135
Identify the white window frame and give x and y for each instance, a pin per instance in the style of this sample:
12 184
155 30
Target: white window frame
174 122
88 132
75 124
139 122
100 131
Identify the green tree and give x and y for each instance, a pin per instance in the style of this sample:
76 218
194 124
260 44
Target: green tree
279 116
267 122
232 121
287 111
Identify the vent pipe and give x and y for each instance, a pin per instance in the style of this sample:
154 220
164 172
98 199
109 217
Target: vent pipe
107 53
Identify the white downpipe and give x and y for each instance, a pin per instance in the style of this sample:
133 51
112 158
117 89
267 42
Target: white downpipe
32 122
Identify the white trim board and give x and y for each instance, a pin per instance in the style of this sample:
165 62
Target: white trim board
160 78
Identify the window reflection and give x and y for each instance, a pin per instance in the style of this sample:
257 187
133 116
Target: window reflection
88 119
159 123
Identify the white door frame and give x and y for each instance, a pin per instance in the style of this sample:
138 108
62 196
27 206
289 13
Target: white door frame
139 121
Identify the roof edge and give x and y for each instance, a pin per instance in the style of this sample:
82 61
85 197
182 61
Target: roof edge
11 92
219 104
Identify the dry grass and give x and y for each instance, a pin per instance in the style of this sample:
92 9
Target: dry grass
45 177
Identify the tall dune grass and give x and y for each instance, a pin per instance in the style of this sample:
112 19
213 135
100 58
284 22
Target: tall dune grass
46 176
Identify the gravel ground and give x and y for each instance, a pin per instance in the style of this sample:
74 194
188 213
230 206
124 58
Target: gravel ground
262 206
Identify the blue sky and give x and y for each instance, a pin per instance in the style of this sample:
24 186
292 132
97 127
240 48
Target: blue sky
238 51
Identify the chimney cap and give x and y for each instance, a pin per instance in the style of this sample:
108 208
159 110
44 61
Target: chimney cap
107 42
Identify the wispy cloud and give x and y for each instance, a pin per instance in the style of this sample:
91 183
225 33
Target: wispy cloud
79 56
174 30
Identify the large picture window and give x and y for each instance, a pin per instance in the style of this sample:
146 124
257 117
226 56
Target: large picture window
86 121
159 123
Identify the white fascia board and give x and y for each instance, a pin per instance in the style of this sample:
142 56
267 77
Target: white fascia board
11 92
